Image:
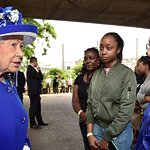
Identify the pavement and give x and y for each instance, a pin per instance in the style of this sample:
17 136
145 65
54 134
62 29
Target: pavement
63 131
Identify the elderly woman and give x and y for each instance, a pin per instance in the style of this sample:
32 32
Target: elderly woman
80 89
13 117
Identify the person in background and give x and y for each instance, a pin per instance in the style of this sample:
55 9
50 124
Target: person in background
143 142
19 80
148 48
69 82
48 85
142 70
139 76
55 85
63 85
13 116
143 67
34 79
80 95
112 97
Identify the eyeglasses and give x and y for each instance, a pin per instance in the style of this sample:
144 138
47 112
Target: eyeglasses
148 46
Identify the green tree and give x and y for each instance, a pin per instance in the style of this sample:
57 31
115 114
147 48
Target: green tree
45 30
55 72
77 69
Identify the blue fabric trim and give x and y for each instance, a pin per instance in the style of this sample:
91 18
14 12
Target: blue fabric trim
18 28
28 142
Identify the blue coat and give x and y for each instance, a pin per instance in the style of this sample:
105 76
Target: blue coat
13 119
143 142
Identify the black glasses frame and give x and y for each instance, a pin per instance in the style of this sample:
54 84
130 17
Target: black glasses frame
148 46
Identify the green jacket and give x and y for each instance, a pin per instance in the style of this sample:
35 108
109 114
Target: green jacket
112 99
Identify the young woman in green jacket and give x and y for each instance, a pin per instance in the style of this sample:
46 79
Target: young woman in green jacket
112 96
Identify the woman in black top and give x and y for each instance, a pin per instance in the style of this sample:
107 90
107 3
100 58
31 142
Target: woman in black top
80 95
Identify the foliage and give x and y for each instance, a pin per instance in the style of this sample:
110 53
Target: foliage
51 74
45 30
78 68
74 72
55 72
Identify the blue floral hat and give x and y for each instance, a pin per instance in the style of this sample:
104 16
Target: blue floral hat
11 24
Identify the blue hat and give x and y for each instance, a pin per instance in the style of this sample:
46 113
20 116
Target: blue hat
11 24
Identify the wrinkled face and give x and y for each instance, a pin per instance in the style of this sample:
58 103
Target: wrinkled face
109 50
141 68
11 53
91 61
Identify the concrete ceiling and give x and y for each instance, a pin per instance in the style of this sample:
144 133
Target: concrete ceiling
133 13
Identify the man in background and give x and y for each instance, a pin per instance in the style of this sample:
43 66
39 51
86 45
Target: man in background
34 83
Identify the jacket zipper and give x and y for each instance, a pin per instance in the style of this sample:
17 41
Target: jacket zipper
129 90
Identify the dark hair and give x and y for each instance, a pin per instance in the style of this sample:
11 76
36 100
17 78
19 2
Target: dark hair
33 59
145 60
92 49
119 41
83 69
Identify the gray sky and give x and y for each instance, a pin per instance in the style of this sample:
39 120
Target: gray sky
77 37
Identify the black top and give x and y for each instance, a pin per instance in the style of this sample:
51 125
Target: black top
34 81
82 91
20 81
55 82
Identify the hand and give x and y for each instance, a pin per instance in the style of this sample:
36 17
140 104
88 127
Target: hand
38 68
93 142
104 145
147 98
